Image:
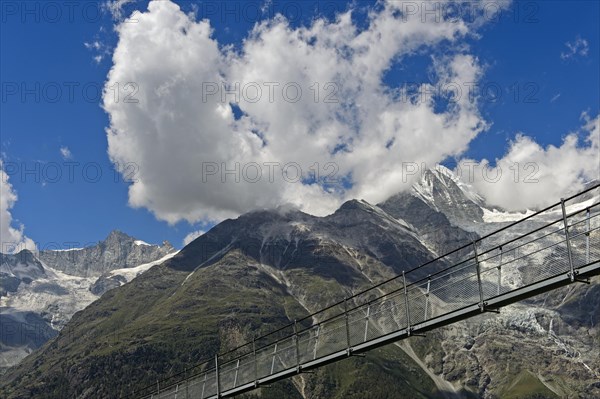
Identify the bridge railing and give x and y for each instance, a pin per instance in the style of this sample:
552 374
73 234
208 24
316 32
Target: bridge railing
506 260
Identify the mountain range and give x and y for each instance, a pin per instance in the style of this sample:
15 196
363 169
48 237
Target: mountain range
251 275
40 292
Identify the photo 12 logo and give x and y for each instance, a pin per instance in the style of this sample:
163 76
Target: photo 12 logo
68 92
69 172
60 12
271 172
470 172
253 92
455 92
467 11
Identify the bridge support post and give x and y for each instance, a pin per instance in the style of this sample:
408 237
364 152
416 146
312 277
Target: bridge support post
348 344
204 385
297 342
255 362
477 266
408 327
500 271
566 223
274 355
218 376
316 341
187 385
587 236
427 296
237 370
367 323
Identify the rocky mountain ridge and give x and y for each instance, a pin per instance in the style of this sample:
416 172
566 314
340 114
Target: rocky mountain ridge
118 250
40 292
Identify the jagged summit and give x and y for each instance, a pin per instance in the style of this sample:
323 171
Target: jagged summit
118 235
354 204
118 251
439 199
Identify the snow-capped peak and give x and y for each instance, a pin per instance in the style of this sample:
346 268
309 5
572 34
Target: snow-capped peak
424 189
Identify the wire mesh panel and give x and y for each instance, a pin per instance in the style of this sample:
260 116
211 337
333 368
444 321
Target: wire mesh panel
238 371
490 265
200 386
555 261
181 391
418 302
332 336
285 356
393 314
227 374
594 240
358 324
583 233
209 386
191 389
454 290
317 332
265 359
165 394
176 392
307 344
578 235
541 258
196 386
379 318
192 386
246 371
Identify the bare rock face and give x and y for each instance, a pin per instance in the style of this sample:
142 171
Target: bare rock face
17 269
106 283
117 251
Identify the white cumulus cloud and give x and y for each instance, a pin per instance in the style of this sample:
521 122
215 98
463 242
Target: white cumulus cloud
531 176
13 238
323 110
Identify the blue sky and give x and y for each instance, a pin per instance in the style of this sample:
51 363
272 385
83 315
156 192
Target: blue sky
546 51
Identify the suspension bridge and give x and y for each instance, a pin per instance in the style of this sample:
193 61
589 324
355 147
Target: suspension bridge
548 249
